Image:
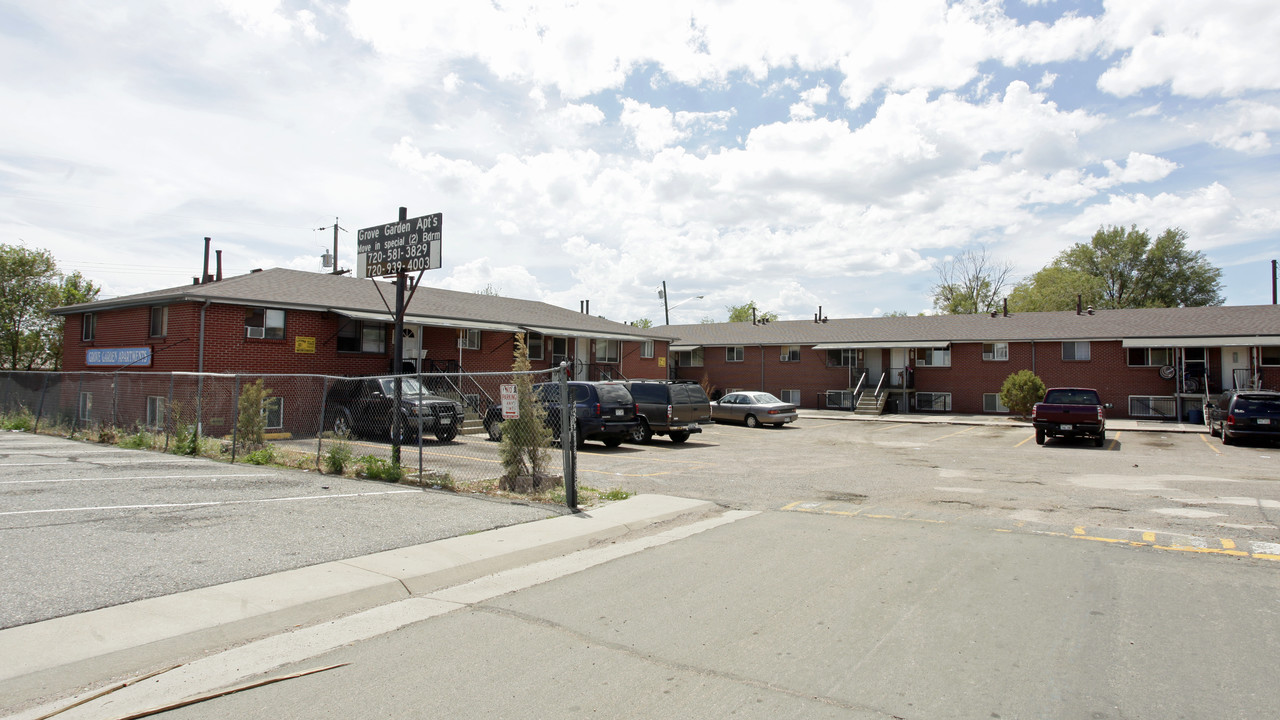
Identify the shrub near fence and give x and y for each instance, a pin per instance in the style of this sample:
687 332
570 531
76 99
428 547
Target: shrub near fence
307 421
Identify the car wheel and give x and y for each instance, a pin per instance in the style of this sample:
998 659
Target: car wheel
612 442
447 434
1100 440
751 421
341 424
579 438
493 426
1039 437
1213 430
408 431
642 433
679 436
1226 437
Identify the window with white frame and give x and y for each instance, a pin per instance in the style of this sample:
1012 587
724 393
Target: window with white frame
933 357
1156 406
608 351
733 354
470 339
689 358
533 341
646 349
89 326
791 396
273 413
264 323
1077 351
86 406
155 411
790 353
992 403
842 358
1150 357
995 351
936 401
160 321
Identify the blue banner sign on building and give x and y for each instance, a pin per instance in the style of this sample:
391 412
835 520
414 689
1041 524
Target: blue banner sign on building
133 357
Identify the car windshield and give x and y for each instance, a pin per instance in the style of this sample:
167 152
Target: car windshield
764 399
408 386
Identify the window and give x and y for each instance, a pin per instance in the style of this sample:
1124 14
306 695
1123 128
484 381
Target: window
791 396
992 403
842 358
940 402
1152 406
1077 351
89 327
559 350
646 349
608 351
86 406
733 354
469 340
273 412
1271 356
689 358
264 323
155 411
359 336
533 341
995 351
159 321
790 353
933 357
1150 357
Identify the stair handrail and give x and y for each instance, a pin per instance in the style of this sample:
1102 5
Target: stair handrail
880 385
857 390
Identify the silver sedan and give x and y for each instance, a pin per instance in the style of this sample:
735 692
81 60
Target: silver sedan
753 409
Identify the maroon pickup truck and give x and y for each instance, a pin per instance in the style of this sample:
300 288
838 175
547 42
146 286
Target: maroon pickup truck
1070 412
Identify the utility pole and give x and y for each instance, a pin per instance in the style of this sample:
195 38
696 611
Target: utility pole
336 228
666 311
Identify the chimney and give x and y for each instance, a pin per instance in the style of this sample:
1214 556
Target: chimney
204 276
1006 307
1079 299
219 252
588 307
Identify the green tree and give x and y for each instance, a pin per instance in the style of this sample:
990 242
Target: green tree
251 422
30 287
970 283
1134 272
643 323
526 439
1020 391
1055 288
748 312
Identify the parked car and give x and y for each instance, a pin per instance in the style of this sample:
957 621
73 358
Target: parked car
1070 412
604 411
366 406
753 409
676 409
1239 414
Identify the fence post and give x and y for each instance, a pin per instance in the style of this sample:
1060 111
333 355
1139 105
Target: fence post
235 416
40 408
8 380
75 417
568 443
168 413
324 399
421 389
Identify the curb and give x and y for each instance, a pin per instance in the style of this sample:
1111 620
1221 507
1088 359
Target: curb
44 658
1112 425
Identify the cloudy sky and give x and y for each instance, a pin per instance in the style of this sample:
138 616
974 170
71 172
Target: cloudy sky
797 154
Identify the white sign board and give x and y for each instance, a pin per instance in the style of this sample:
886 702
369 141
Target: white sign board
510 402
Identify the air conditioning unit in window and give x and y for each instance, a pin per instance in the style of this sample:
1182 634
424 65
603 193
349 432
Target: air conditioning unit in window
255 332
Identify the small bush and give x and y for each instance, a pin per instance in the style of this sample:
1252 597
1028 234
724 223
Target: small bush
337 457
264 455
375 468
22 420
186 441
107 435
1020 391
140 440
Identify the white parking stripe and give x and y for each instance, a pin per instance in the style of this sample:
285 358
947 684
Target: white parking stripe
137 477
204 504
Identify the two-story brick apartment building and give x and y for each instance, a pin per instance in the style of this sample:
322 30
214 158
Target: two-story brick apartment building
1156 363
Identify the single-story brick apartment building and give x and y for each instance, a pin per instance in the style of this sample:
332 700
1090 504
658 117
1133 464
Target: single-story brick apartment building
1150 363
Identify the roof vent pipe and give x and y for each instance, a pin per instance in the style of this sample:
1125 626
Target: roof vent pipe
204 276
1006 307
219 252
1079 299
1090 311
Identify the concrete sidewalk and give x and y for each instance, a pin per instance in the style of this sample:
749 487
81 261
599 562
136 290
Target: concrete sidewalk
52 658
1113 424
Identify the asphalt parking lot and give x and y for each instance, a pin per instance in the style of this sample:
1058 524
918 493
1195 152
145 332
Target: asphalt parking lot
84 526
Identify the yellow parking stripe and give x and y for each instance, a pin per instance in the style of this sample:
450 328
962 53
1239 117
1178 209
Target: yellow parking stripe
1025 440
1148 537
1211 445
961 432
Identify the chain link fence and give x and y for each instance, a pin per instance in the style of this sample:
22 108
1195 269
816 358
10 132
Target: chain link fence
442 429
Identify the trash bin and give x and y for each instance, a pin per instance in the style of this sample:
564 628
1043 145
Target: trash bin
1195 417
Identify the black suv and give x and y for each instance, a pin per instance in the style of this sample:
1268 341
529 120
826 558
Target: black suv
366 406
604 411
676 408
1245 413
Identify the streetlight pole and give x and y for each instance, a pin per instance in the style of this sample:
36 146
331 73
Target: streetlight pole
666 308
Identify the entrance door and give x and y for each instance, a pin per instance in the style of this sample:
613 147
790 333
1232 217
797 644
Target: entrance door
581 358
897 364
872 358
1233 359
